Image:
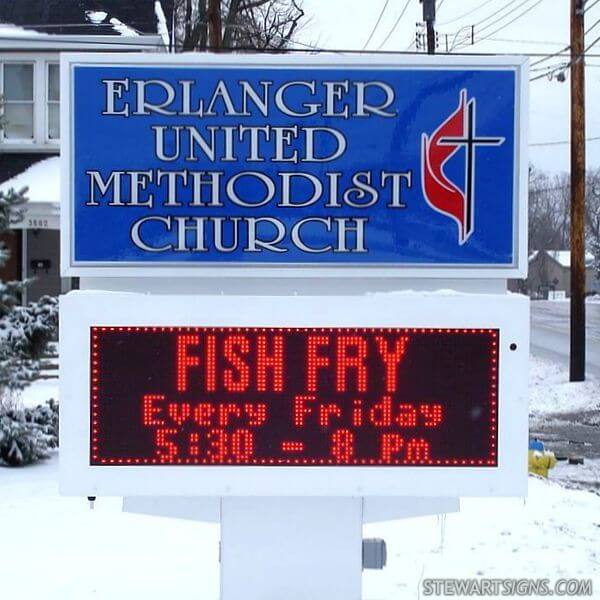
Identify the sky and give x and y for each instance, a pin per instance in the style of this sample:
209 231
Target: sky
544 29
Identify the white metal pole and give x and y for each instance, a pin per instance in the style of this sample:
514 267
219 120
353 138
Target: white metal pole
291 548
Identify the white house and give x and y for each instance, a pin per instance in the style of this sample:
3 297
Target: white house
30 130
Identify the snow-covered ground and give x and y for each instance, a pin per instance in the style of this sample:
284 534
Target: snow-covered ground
567 415
554 534
39 392
551 392
56 548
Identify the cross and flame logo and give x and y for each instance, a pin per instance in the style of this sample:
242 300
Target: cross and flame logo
441 193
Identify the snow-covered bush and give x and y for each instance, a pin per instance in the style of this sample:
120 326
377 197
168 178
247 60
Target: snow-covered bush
28 434
24 330
24 335
11 211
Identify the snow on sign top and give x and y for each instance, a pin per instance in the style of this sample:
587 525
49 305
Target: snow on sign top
252 165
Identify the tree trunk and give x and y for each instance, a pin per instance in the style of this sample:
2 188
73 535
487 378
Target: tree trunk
214 23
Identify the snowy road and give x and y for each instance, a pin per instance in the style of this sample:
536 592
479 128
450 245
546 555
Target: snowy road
550 332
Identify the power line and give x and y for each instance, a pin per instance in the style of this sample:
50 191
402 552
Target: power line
309 47
534 42
562 142
545 69
589 47
508 14
501 9
387 37
376 24
568 47
561 66
549 56
511 21
306 48
550 70
467 13
586 8
504 16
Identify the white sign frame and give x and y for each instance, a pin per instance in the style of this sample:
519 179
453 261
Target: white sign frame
81 310
69 267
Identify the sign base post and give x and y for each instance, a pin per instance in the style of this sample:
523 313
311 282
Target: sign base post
292 548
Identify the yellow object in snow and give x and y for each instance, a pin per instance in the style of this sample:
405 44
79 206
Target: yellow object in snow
541 462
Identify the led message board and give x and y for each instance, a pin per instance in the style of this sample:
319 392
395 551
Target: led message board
389 394
203 165
292 397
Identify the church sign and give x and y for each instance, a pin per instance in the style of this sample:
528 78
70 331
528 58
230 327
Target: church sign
198 165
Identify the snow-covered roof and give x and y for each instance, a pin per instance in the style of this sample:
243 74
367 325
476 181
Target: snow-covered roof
8 30
93 17
97 17
28 41
124 36
562 257
42 179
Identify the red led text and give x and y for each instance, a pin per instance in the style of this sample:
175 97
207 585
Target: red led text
294 396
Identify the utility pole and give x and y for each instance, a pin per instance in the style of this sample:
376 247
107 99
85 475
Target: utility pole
213 17
429 18
577 358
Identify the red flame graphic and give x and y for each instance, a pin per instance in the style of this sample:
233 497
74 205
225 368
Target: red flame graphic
441 193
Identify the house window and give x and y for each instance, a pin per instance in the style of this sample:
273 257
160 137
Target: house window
29 102
18 101
53 101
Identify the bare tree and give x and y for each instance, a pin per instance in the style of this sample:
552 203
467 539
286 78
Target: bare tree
258 24
592 217
548 211
592 205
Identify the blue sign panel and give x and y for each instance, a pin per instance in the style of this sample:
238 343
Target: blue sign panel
275 164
